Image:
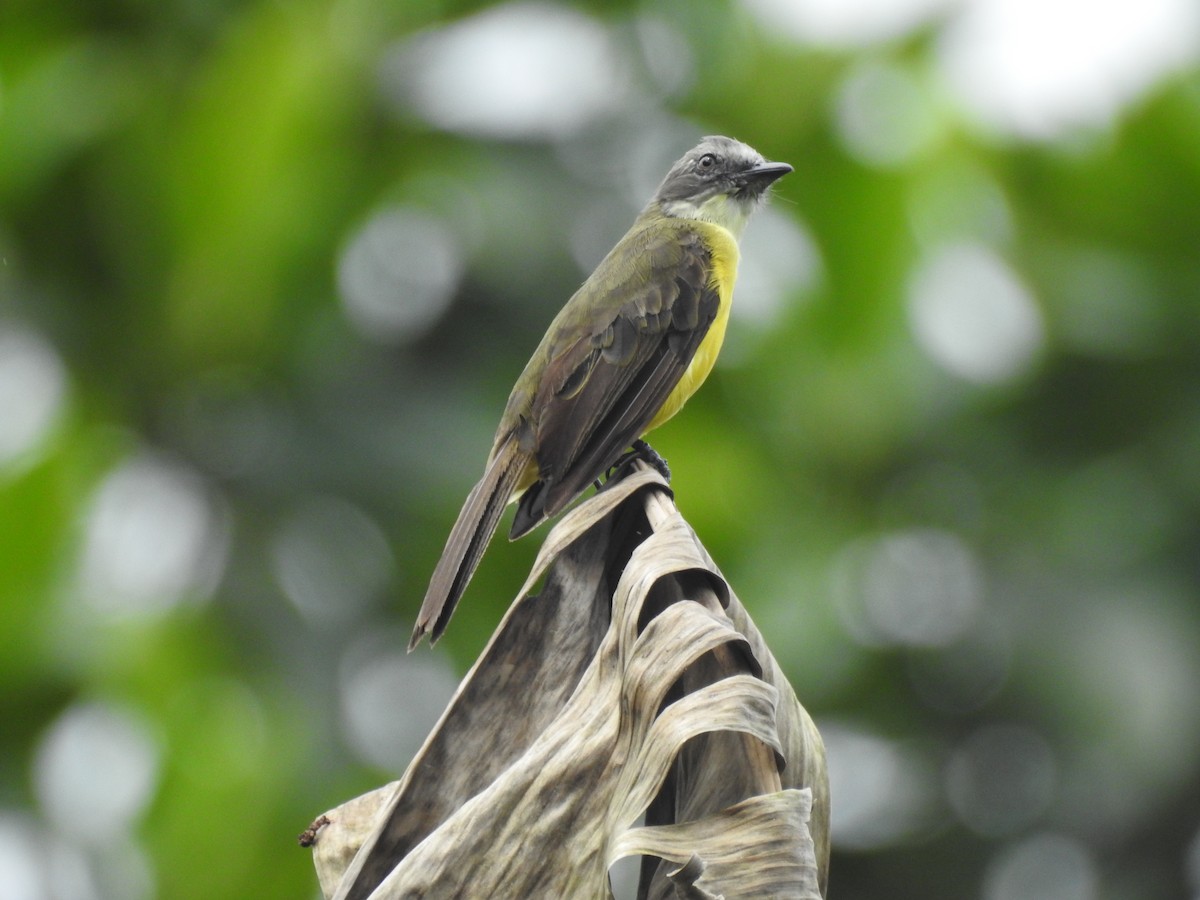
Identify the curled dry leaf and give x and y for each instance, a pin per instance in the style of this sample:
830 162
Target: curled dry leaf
634 684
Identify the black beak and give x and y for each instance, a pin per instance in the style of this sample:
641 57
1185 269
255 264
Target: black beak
766 172
758 178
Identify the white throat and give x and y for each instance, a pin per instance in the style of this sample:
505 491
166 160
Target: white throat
719 209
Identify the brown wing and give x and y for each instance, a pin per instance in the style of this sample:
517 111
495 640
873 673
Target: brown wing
604 385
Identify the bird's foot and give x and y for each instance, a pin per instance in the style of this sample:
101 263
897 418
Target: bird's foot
647 454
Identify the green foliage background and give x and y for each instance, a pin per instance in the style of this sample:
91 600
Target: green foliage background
178 182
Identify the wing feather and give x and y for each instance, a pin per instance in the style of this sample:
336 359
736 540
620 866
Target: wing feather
603 387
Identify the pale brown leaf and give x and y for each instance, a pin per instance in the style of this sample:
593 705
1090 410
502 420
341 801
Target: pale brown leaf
633 683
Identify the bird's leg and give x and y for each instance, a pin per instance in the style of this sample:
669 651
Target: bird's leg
643 451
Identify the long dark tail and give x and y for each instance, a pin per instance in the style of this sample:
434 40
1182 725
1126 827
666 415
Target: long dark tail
468 539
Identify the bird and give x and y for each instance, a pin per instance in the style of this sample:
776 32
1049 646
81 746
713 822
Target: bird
624 354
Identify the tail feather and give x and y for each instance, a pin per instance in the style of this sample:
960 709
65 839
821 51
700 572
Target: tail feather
473 530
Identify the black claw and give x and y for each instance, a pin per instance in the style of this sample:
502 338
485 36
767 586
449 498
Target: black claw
650 455
643 451
617 469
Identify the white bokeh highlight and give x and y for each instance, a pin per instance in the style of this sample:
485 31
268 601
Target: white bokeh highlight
666 54
843 24
95 772
521 70
25 857
33 389
1047 866
331 560
38 862
391 700
155 537
398 274
1043 68
1131 663
779 260
1037 69
882 789
1192 864
973 316
884 116
1000 779
921 587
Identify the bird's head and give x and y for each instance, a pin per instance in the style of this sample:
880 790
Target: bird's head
720 180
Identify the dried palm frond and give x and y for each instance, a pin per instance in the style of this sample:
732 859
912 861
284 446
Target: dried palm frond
634 684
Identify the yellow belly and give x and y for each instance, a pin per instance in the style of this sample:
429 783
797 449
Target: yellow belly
724 273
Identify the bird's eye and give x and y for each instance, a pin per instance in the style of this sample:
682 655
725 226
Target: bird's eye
706 162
